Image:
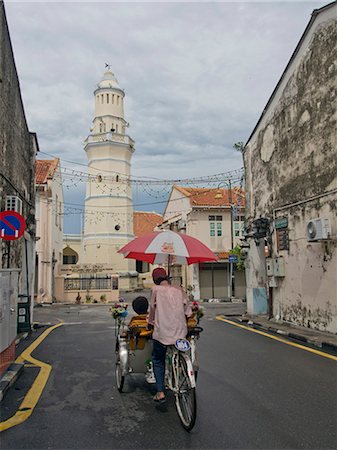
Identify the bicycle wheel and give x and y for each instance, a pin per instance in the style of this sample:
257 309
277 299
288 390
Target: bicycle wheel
118 371
186 402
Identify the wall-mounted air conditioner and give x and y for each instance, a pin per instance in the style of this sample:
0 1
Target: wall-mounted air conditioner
318 229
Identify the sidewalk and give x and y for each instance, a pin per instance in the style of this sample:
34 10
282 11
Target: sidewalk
325 341
15 370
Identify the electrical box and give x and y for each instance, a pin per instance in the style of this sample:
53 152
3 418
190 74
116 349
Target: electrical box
279 267
272 282
269 267
9 283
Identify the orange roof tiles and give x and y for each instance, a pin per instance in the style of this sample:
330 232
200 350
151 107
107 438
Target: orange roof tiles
222 255
145 222
45 169
211 196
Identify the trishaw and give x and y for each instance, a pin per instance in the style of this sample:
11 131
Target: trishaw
134 344
134 354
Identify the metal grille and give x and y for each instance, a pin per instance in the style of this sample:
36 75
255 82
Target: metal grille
87 284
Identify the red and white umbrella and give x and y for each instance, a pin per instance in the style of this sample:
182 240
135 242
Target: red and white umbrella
167 247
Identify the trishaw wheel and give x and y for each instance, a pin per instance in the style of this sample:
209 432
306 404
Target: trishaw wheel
119 377
186 402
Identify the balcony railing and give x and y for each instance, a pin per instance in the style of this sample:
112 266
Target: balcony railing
90 284
109 137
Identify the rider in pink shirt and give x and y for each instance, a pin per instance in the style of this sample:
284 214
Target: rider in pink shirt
168 312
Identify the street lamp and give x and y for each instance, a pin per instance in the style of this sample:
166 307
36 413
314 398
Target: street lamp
231 277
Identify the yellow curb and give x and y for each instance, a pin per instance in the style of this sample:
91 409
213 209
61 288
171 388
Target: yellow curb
270 336
32 397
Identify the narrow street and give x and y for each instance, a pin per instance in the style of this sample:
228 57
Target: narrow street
253 392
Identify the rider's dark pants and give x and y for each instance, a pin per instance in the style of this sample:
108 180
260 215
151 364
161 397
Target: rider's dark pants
158 360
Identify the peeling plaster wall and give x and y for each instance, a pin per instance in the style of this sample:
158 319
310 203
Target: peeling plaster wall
17 155
307 294
291 157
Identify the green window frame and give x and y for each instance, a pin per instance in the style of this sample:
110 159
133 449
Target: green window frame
212 229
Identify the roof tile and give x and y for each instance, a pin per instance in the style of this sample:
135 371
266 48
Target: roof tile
145 222
212 196
45 169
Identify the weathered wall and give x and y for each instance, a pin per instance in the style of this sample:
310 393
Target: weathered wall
17 174
17 155
290 158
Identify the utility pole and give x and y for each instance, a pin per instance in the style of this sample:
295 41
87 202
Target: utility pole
232 242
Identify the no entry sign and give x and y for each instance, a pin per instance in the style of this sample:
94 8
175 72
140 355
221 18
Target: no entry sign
12 225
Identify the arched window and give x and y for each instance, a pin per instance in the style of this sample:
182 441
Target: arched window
107 98
117 178
102 98
69 256
116 128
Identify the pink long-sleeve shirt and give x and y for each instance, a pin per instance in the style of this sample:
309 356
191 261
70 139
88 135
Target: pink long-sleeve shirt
169 308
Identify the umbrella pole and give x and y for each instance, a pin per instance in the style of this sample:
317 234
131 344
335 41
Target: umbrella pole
168 265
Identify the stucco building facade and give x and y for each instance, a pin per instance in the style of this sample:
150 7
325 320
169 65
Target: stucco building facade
49 229
205 213
291 167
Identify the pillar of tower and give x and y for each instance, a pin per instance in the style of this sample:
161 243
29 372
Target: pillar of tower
108 220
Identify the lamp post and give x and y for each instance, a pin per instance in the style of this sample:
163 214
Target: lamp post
230 271
231 280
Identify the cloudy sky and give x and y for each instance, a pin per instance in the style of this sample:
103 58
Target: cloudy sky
196 75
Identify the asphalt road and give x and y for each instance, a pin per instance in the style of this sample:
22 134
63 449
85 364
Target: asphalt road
253 393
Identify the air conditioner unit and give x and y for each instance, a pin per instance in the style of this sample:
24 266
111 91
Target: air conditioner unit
318 229
181 224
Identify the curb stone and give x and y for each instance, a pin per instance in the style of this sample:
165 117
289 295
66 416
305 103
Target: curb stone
323 345
9 378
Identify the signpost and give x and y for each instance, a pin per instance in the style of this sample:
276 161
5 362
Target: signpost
281 222
282 233
12 225
86 268
282 239
233 258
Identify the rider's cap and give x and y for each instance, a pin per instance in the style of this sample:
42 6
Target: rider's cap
159 272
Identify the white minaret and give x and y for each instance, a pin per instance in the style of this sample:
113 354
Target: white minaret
108 221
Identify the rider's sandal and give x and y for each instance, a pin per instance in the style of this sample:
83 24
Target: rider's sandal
159 400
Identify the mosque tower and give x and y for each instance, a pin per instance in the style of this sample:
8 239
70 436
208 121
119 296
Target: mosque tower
108 221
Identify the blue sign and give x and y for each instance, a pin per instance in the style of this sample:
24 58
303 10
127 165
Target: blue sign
12 225
233 258
183 345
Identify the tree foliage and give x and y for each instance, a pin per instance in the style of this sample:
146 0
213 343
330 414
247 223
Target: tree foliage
240 265
239 146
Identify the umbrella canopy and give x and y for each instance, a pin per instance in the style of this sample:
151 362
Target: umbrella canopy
167 247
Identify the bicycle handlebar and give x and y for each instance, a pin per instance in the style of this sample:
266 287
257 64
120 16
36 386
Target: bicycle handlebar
195 331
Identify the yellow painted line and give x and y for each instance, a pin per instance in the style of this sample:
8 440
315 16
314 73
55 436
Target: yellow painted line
32 397
284 341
